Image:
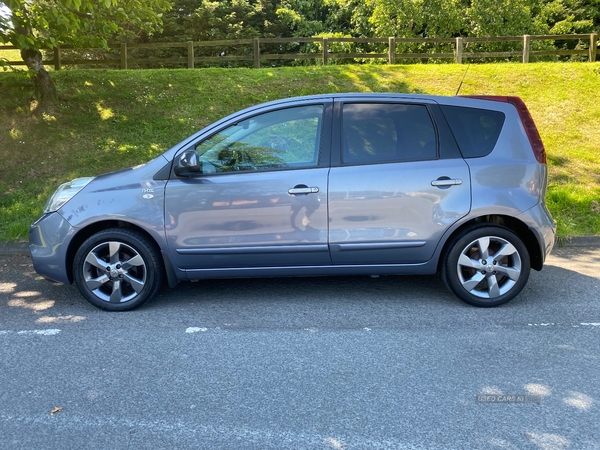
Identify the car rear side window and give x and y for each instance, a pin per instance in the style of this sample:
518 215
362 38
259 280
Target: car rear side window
387 132
476 130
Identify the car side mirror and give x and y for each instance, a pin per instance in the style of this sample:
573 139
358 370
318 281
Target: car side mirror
187 164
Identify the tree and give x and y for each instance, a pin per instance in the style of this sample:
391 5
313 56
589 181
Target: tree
503 18
34 25
417 18
571 16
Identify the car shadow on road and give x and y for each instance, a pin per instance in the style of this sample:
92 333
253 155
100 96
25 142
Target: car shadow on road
307 303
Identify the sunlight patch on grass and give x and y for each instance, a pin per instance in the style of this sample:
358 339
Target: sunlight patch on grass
108 144
104 112
15 133
48 118
124 148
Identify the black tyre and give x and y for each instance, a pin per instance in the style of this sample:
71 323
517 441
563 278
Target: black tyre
117 269
487 265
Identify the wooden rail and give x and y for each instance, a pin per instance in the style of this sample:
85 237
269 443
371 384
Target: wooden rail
252 48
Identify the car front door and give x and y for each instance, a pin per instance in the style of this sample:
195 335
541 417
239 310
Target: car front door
395 186
260 199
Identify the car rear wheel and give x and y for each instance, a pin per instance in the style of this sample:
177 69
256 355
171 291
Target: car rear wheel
117 269
487 265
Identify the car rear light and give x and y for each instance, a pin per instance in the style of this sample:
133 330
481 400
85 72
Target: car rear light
532 132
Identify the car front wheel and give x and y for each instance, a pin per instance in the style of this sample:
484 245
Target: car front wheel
487 265
117 269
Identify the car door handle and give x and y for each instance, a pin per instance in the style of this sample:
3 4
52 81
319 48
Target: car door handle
303 190
445 181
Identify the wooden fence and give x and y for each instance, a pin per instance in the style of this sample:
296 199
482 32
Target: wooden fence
459 51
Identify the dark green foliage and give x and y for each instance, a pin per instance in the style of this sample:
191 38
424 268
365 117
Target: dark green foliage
204 20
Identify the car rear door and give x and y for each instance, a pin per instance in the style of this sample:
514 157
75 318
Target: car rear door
397 182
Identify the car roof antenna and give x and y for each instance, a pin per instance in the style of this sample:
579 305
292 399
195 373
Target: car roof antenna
463 79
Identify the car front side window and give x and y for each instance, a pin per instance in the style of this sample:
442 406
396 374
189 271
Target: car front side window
281 139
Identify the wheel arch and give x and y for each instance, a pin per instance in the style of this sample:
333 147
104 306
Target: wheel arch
96 227
517 226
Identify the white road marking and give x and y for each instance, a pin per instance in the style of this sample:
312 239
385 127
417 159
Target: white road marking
574 325
191 330
195 330
49 332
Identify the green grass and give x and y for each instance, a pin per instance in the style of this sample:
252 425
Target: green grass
108 120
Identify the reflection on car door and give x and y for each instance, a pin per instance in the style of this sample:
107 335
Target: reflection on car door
391 197
261 201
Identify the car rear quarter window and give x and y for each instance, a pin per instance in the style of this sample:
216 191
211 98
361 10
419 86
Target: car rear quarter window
476 130
387 132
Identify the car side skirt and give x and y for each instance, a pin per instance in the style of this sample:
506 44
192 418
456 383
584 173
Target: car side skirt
428 268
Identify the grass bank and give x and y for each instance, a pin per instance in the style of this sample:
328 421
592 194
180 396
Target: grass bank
108 120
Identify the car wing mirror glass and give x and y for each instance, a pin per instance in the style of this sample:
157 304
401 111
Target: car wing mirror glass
187 164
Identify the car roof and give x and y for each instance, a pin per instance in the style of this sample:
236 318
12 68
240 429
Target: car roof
481 101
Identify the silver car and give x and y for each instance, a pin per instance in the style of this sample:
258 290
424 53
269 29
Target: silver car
348 184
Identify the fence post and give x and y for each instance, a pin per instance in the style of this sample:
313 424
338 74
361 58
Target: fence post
256 53
190 52
325 51
593 47
123 55
459 50
526 47
57 55
392 50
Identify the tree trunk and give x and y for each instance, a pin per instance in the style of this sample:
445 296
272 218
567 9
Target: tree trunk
45 90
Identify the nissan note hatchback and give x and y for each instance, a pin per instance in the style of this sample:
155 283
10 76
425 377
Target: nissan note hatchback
349 184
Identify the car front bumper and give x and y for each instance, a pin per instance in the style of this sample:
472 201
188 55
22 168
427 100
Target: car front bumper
48 243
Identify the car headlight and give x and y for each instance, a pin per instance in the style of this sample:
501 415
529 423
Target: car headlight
66 192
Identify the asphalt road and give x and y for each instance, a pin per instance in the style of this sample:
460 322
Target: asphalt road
315 363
